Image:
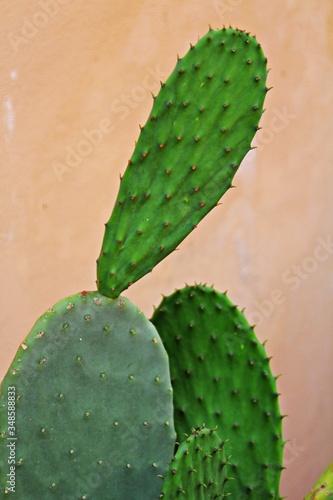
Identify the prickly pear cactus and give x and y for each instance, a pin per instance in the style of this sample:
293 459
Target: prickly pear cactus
90 385
93 398
323 488
221 376
199 468
200 128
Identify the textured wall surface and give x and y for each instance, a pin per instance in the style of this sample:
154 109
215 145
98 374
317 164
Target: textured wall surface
72 67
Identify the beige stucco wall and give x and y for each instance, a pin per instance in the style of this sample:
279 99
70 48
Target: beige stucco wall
69 67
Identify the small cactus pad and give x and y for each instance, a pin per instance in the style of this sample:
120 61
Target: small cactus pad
200 128
86 407
221 376
199 469
323 488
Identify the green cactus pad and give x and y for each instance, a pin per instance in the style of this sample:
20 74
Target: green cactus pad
199 130
93 405
199 468
323 488
221 376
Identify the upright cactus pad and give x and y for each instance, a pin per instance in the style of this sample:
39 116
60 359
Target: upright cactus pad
94 412
199 130
221 376
199 469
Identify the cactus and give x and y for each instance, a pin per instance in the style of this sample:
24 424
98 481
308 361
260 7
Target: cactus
200 128
199 468
91 382
221 376
94 412
323 488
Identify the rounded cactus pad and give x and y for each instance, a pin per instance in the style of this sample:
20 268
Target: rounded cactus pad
199 468
91 397
200 128
221 376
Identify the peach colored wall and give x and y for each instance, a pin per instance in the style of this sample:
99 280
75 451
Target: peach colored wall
68 66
